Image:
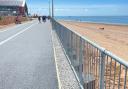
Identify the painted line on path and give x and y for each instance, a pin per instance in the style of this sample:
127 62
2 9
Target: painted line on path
13 36
14 27
55 58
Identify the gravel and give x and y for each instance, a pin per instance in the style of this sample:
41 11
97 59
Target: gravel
66 76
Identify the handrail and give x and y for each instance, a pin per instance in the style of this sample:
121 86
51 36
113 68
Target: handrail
122 61
93 63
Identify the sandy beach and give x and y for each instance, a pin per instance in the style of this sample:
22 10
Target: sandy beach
112 37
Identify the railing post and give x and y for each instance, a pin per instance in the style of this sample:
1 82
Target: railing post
70 46
53 24
102 70
81 61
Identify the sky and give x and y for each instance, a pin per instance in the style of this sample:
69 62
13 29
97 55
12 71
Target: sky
80 7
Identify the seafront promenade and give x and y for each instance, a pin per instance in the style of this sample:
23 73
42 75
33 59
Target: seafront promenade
31 57
37 55
26 57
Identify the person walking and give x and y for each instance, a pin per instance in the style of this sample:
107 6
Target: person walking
44 18
39 19
17 20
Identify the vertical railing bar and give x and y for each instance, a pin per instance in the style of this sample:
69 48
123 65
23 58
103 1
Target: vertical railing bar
110 73
74 49
106 73
67 38
90 48
114 75
93 64
81 59
94 61
70 40
77 47
85 62
105 56
63 37
102 69
119 77
91 58
88 62
66 47
69 44
65 42
62 34
71 47
97 68
125 81
77 55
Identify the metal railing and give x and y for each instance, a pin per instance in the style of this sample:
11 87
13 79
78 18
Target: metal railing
96 67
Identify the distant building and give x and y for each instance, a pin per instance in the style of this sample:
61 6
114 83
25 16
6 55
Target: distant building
13 7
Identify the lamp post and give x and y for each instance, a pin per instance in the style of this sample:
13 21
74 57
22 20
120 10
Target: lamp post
52 9
49 8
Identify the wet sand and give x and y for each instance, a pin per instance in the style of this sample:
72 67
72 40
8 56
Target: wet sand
112 37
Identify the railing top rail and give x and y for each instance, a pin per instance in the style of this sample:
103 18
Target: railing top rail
108 53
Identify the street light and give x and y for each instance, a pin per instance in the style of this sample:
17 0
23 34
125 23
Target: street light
49 8
52 9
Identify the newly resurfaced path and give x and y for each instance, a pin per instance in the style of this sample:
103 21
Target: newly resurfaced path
26 57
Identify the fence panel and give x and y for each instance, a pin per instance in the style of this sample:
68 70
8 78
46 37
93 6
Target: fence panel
96 67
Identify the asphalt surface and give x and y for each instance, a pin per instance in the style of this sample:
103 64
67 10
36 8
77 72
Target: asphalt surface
26 57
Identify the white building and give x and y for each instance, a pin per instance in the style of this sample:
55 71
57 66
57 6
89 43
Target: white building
13 7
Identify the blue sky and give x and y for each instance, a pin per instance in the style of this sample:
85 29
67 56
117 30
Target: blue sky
80 7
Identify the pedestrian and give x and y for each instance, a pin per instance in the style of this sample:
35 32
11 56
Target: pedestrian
44 18
48 17
17 20
39 19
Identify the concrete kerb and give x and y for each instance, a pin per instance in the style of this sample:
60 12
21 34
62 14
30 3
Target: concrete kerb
55 58
65 72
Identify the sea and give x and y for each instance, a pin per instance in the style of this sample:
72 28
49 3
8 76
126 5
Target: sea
116 20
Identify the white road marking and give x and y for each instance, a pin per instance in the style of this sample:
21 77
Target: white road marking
13 36
6 29
57 70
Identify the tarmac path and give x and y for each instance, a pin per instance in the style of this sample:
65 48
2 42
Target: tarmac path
26 57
